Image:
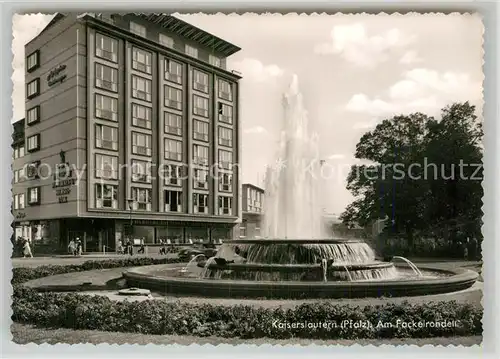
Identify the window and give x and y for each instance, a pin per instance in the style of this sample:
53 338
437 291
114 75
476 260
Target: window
173 201
141 116
173 174
106 47
225 182
33 196
173 123
243 230
200 203
141 171
106 167
141 60
137 29
33 115
19 201
225 205
18 152
141 144
106 78
142 199
16 176
106 196
225 90
34 143
173 97
106 107
173 150
33 61
32 170
225 113
200 130
200 179
200 106
225 136
106 137
225 159
200 81
200 155
214 60
166 41
33 89
141 88
191 51
173 71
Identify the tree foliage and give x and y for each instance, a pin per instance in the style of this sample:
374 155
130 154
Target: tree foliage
421 174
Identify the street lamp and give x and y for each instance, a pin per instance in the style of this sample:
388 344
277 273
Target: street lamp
130 202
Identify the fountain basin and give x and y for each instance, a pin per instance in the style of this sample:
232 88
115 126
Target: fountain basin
453 280
260 267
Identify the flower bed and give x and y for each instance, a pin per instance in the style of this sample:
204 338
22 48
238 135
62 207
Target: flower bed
322 320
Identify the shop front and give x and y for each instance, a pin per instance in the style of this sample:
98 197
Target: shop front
154 232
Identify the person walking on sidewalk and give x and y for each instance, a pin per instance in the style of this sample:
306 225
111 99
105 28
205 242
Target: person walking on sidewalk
27 249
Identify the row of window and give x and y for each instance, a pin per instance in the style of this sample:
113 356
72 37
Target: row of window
106 196
106 78
107 167
169 42
33 198
106 137
107 108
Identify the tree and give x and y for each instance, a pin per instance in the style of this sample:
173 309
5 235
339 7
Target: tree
395 183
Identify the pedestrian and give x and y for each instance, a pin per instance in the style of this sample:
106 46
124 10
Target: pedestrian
72 247
466 250
163 247
78 244
131 248
141 248
119 247
27 249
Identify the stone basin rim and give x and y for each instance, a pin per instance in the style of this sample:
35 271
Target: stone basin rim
459 279
454 275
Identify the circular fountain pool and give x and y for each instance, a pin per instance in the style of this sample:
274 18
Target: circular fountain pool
298 269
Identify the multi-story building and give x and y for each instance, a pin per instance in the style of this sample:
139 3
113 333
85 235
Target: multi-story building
131 130
251 209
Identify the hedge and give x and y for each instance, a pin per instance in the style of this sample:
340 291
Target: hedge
77 311
24 274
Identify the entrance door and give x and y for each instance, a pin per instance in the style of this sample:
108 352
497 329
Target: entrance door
106 239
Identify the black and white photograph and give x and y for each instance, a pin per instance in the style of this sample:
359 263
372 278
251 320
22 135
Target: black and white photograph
247 178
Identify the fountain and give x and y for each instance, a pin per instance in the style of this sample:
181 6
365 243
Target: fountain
296 259
293 214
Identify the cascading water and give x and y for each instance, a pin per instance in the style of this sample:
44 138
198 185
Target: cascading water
291 202
296 247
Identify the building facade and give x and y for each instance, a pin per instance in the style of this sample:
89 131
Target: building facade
131 130
252 207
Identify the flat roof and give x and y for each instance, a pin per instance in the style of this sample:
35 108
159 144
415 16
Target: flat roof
253 186
191 32
178 27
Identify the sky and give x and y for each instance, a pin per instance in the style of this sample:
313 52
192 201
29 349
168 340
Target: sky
353 70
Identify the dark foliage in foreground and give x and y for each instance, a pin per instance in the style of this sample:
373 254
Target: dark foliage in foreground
76 311
157 317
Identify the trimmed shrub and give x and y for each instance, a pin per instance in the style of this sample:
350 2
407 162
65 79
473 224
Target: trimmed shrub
310 320
321 320
24 274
